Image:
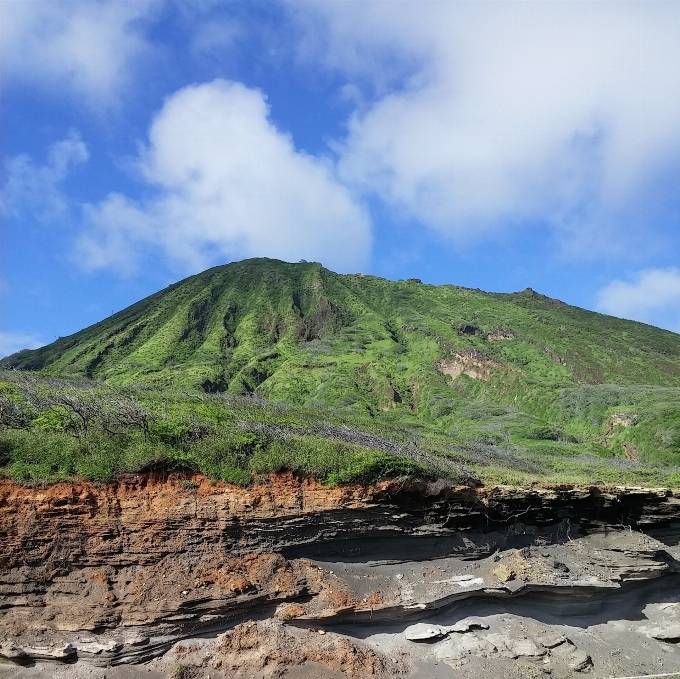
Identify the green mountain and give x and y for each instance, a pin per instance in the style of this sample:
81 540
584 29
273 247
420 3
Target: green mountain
520 370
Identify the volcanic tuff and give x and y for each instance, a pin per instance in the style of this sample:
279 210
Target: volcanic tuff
356 581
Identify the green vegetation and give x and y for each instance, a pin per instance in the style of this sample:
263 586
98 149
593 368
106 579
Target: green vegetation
261 366
52 430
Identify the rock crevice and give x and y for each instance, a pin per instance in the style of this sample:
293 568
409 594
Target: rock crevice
120 573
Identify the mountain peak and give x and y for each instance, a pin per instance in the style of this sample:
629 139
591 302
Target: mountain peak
299 330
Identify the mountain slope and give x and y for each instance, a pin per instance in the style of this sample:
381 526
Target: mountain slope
238 326
488 367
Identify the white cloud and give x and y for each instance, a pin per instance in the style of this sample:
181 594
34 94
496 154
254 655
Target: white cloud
508 111
11 342
88 46
653 297
228 184
37 188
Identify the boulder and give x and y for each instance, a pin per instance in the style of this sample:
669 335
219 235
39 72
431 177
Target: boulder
504 573
423 632
468 624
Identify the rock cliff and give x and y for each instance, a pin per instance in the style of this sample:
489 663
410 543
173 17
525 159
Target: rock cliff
290 573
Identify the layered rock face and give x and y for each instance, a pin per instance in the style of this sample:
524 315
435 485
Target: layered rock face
120 573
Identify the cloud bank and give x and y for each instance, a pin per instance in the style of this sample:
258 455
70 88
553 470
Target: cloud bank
11 342
652 297
227 184
507 113
88 47
470 119
36 189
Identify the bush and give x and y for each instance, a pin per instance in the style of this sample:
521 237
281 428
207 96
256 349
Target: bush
332 461
371 466
98 457
227 455
47 457
309 455
142 455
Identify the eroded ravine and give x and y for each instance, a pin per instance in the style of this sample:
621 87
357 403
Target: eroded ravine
290 577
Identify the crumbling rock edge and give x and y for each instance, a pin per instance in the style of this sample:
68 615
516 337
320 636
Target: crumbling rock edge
121 573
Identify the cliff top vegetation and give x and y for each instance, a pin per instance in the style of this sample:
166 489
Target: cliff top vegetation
261 366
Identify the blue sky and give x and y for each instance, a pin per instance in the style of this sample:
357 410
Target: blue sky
497 145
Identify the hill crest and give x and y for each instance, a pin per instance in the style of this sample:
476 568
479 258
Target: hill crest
232 328
498 375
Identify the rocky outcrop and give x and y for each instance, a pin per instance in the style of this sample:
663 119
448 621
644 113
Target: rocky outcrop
120 573
470 362
268 647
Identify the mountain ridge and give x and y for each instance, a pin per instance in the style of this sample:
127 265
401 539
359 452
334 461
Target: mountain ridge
306 302
510 378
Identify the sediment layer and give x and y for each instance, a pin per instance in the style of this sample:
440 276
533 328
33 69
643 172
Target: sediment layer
119 573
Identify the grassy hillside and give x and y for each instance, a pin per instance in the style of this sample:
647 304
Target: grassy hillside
501 376
53 430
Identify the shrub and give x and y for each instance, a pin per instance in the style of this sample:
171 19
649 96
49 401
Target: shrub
48 457
332 461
